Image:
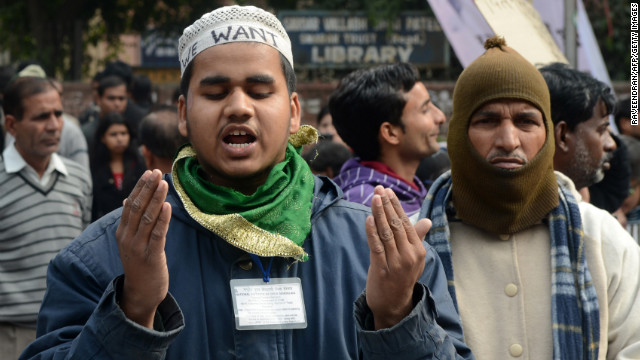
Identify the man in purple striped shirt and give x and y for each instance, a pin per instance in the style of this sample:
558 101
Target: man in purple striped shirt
386 116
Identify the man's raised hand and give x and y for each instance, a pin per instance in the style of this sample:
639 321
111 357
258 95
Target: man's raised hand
397 258
141 237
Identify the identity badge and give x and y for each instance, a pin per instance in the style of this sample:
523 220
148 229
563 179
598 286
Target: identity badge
277 304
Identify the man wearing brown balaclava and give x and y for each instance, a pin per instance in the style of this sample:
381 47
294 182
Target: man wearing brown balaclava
534 273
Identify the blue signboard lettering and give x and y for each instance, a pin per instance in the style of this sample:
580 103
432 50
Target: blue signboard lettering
349 39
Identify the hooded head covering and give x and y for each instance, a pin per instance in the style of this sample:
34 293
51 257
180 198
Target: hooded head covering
491 198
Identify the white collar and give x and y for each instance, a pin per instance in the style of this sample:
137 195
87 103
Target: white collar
13 161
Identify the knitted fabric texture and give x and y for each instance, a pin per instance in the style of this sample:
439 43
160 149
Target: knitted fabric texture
574 302
491 198
233 24
357 182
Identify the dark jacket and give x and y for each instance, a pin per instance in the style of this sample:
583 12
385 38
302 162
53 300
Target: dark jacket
80 316
106 197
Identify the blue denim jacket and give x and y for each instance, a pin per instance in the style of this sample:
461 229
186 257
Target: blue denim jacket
80 317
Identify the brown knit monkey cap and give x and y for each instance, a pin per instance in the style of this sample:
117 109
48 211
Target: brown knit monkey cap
499 200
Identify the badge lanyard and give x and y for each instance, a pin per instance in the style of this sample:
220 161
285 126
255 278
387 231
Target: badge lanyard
268 304
265 274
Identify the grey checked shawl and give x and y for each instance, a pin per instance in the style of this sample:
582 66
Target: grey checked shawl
574 305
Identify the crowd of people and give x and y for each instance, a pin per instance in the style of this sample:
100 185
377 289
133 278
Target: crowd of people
60 173
223 228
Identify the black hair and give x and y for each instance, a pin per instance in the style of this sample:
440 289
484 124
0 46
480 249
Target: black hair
287 70
21 88
98 76
141 90
24 63
365 99
327 154
176 95
119 68
633 147
159 131
108 82
289 74
623 110
6 74
323 112
431 167
100 154
574 94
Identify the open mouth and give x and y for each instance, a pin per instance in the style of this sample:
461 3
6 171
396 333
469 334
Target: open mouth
239 139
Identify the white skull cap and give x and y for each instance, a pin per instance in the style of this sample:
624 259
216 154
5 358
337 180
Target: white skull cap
232 24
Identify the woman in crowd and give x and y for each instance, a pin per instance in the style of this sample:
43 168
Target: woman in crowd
116 164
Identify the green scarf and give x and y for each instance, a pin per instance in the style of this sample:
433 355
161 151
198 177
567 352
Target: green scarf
274 221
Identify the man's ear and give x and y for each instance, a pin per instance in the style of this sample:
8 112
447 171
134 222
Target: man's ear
9 124
147 155
390 133
294 125
562 136
182 116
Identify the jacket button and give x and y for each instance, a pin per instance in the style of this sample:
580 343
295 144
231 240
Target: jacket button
515 350
511 289
504 237
246 265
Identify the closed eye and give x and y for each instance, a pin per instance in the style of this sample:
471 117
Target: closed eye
215 95
260 95
260 86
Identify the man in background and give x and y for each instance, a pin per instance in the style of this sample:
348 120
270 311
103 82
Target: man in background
535 273
585 147
622 119
73 145
160 138
112 97
45 203
387 118
327 157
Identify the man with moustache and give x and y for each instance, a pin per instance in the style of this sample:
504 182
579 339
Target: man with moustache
580 109
535 273
386 116
241 252
45 203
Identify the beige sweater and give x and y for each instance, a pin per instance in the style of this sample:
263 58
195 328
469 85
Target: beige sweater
503 287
